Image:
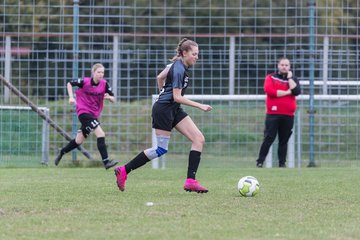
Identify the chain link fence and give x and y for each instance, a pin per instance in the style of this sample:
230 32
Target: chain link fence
43 45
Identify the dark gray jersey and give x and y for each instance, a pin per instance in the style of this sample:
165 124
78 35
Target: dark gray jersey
177 77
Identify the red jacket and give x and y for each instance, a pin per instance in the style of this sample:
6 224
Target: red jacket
285 105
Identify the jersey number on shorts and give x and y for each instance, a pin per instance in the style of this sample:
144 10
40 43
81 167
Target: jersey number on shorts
94 123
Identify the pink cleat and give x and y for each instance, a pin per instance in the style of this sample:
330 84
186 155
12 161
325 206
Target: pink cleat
121 177
192 185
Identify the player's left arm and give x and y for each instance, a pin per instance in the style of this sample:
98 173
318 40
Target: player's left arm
183 100
297 89
178 74
109 95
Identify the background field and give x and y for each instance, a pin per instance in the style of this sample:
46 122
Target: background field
84 203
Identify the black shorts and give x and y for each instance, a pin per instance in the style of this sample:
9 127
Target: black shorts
88 123
165 116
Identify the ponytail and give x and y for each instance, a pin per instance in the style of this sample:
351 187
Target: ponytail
183 46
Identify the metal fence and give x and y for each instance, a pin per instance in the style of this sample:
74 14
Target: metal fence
44 45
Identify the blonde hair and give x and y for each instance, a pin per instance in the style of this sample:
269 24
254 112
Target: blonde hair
96 66
183 46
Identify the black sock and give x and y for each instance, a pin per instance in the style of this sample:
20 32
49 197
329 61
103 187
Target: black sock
194 161
70 146
140 160
102 149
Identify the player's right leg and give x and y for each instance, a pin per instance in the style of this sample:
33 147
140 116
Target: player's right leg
142 158
271 129
74 143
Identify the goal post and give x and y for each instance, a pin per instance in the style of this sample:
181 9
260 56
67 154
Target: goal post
17 116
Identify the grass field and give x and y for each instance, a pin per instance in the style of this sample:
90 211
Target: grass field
84 203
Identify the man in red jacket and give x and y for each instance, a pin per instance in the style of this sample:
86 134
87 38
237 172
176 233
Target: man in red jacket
281 88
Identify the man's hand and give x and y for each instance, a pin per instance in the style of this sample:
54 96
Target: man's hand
292 84
289 74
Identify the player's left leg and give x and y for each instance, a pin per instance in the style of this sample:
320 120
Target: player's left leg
188 128
284 133
100 134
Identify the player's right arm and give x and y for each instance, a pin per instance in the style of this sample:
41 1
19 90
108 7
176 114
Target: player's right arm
79 83
162 77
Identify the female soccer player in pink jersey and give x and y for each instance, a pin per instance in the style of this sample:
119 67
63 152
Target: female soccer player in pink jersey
90 97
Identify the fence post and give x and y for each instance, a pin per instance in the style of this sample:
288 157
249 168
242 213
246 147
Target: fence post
232 66
311 111
7 67
115 65
45 139
291 151
298 137
75 65
268 159
325 64
155 161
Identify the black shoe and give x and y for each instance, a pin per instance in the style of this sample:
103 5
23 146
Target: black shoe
110 163
259 165
282 165
58 157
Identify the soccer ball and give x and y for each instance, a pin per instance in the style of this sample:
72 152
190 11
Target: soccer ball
248 186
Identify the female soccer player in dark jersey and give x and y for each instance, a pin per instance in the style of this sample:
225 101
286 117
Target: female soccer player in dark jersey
90 97
168 114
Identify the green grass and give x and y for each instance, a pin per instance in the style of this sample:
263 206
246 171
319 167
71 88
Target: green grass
84 203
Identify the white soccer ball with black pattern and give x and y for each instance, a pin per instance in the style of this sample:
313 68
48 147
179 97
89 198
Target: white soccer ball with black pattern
248 186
